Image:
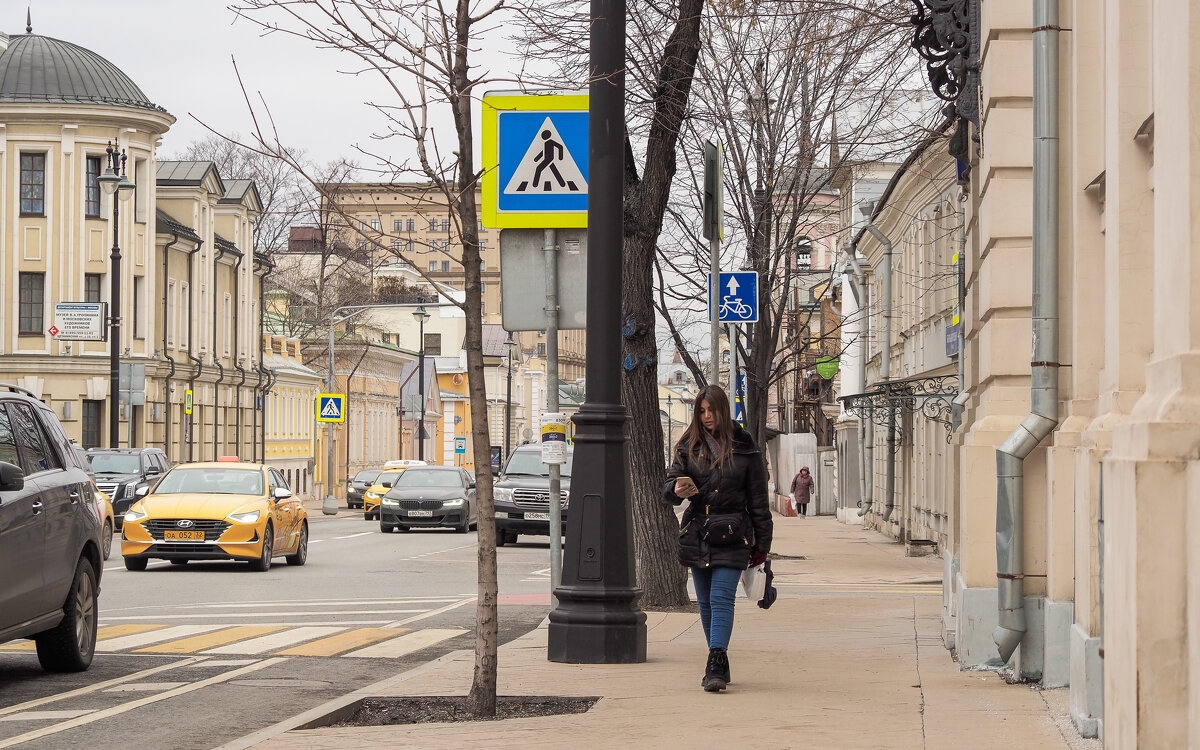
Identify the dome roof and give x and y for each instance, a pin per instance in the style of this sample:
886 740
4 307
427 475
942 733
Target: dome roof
42 69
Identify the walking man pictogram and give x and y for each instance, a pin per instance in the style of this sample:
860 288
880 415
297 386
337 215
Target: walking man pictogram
552 151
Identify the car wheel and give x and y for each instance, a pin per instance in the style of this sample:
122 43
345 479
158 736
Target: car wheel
463 527
402 529
263 563
386 528
136 563
179 562
106 539
300 556
70 645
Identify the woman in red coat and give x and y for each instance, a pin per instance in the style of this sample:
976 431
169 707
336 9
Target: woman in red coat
802 489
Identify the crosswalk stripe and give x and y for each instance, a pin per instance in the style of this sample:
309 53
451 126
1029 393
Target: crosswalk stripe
155 636
104 633
210 640
337 644
407 644
283 639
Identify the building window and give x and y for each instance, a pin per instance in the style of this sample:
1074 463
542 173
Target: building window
33 184
445 225
541 349
433 344
93 416
141 198
91 188
375 224
482 265
397 224
92 284
396 246
411 224
139 299
445 266
33 287
172 302
362 246
362 226
483 246
433 265
408 246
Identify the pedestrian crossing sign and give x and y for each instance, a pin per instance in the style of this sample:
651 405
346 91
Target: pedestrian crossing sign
331 407
535 158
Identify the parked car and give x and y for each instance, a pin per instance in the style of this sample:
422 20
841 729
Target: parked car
521 494
121 472
429 496
222 510
50 552
356 488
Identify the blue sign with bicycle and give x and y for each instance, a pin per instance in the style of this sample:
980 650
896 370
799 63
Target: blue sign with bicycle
737 293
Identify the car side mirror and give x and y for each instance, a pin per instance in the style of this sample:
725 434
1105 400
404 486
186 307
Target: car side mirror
11 477
153 471
387 484
142 491
282 493
470 485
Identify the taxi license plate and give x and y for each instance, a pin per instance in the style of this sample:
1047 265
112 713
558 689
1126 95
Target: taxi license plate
183 536
537 516
421 513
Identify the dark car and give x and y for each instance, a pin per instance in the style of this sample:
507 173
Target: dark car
50 558
121 472
522 494
429 496
356 488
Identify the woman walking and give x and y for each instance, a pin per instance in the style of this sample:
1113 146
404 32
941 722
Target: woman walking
802 488
727 524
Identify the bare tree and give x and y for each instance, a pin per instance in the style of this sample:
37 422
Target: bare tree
421 54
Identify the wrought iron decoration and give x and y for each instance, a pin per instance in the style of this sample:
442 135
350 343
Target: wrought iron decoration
947 37
886 400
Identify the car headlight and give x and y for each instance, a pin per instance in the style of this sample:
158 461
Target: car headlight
130 489
351 491
502 493
134 514
249 516
455 503
390 501
373 495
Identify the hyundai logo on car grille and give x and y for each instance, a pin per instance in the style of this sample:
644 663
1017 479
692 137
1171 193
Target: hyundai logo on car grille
184 524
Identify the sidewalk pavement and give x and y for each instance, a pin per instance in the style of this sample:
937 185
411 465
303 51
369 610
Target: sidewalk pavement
850 656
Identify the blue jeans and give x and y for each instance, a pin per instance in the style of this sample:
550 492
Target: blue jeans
715 590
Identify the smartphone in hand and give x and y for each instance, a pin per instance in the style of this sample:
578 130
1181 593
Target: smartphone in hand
685 481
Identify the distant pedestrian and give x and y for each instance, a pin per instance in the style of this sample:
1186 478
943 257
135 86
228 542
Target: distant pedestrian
802 489
726 527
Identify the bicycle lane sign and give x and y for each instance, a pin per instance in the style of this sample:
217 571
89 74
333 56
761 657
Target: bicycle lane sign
738 297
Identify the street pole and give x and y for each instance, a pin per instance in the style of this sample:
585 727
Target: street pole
597 620
510 344
670 426
549 246
117 185
329 506
421 317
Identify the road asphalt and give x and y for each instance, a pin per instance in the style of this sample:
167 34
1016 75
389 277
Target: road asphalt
850 656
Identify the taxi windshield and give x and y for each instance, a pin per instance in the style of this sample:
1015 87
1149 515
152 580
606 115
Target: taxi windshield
387 477
211 481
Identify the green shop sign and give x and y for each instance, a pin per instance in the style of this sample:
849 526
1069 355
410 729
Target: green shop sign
827 367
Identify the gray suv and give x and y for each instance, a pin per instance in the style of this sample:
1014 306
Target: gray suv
521 494
121 472
49 536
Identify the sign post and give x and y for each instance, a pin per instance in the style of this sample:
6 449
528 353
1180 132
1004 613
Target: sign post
714 197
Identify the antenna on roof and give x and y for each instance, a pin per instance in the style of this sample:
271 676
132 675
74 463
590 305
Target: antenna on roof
29 19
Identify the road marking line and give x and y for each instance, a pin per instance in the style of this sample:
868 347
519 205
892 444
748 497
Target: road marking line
131 705
104 633
430 613
373 602
144 687
407 644
352 536
228 615
154 636
152 564
439 551
46 715
210 640
279 640
191 661
336 644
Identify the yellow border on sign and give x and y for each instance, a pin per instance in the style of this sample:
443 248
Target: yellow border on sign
492 106
317 407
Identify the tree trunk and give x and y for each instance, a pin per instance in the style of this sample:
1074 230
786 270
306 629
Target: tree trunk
655 530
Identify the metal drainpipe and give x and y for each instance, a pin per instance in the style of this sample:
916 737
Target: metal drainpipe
259 390
216 360
1043 413
885 366
171 374
199 363
237 363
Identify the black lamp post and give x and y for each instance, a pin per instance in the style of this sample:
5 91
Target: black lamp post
421 316
511 343
114 183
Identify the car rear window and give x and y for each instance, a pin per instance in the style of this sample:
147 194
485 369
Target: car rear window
211 481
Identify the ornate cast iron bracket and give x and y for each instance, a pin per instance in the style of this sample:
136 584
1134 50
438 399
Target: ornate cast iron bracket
947 37
930 397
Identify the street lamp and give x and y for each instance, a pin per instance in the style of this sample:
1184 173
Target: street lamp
511 343
114 182
421 316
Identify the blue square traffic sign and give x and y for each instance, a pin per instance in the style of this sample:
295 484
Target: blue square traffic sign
331 407
737 295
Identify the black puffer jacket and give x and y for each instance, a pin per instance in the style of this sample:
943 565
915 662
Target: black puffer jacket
739 487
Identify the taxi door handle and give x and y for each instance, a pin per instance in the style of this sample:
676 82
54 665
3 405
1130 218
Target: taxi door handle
37 507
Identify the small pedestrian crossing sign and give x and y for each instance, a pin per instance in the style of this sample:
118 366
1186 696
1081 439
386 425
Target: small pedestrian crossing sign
535 154
331 407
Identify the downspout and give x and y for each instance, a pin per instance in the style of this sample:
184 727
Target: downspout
237 355
264 381
885 359
167 327
1043 413
190 418
216 360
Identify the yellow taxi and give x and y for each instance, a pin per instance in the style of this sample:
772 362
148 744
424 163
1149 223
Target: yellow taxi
375 492
223 510
104 509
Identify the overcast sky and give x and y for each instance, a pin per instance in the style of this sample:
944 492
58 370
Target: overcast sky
179 52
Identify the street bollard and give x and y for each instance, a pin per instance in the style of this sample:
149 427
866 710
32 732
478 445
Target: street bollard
330 506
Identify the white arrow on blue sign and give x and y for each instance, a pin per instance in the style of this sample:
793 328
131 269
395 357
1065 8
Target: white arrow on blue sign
738 292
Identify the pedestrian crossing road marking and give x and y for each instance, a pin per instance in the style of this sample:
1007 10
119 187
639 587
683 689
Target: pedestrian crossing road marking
253 640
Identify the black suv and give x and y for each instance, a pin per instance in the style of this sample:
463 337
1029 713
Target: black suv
121 472
521 494
49 536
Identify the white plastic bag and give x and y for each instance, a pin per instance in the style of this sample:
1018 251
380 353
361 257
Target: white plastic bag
754 582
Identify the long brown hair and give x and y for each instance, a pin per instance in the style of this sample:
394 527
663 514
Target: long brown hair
692 441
